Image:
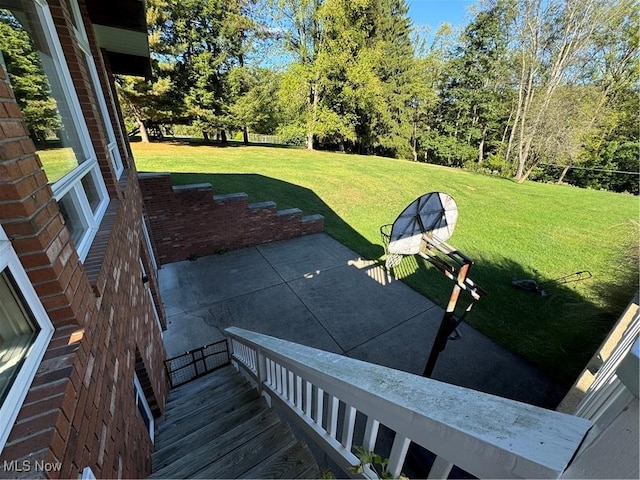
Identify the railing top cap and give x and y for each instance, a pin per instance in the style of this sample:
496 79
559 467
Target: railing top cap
546 438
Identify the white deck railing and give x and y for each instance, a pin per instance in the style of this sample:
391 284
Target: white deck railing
329 394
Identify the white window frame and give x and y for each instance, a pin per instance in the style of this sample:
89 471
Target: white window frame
72 181
83 41
142 400
10 408
147 287
147 239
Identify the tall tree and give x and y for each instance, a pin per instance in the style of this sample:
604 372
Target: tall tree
254 103
396 72
552 38
474 95
155 101
303 34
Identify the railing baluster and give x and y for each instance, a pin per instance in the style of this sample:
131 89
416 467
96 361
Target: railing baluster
319 405
398 454
308 398
267 363
332 418
285 384
370 434
274 369
299 382
291 390
441 468
278 378
299 392
348 426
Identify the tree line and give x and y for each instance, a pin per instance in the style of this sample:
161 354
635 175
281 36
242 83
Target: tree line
536 89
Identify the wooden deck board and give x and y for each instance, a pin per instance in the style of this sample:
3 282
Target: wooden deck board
254 451
293 461
201 457
218 426
182 445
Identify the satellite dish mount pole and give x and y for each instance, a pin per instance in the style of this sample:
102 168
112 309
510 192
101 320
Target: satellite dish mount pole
449 321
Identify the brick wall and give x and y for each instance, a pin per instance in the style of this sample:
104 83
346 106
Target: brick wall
189 220
80 408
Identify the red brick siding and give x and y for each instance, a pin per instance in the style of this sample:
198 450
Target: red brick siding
189 221
84 86
119 116
80 407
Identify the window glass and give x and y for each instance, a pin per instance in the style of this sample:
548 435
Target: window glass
143 406
17 332
98 95
45 92
73 217
90 189
40 91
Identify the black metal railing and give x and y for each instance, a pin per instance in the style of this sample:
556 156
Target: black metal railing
196 363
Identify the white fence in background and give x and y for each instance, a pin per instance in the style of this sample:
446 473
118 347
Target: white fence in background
329 394
257 138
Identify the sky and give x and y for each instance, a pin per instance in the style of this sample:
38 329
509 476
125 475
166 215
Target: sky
434 12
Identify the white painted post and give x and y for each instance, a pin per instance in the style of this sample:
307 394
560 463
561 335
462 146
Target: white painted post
348 427
440 468
332 419
308 398
299 392
398 454
290 390
371 433
319 405
262 372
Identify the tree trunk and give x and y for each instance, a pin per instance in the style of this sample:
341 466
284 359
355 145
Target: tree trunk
414 143
205 135
315 100
481 146
565 170
143 130
223 137
245 135
525 175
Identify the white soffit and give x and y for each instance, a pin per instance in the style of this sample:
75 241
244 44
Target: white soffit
119 40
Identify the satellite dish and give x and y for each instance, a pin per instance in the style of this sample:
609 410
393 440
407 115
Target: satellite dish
432 214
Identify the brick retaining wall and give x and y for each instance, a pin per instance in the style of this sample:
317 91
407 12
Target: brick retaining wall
187 221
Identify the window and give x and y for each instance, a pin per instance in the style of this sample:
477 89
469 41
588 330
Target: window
54 118
143 406
147 287
81 37
147 239
25 331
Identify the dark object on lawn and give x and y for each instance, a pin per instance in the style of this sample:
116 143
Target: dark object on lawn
422 229
533 286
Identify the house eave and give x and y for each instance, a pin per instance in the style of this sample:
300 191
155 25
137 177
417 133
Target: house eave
121 30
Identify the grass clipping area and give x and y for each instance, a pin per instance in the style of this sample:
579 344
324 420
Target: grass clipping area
530 231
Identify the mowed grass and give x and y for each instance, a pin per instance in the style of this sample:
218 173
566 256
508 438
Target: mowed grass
57 162
533 230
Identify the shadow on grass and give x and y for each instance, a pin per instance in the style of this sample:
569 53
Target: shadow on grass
201 142
286 195
557 333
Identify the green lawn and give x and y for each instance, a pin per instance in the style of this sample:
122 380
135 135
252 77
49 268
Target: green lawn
57 162
532 230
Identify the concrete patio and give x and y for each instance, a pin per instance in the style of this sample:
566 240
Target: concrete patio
317 292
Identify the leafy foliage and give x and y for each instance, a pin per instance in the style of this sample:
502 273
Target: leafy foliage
374 461
28 80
